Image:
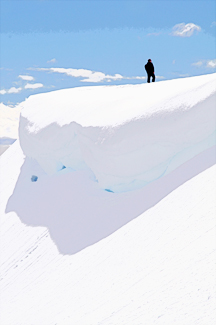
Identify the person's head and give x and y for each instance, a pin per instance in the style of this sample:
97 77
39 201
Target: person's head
149 60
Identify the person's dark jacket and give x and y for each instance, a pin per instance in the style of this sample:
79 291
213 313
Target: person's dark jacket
149 68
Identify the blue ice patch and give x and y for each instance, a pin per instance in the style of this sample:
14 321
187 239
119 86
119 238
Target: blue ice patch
34 178
108 190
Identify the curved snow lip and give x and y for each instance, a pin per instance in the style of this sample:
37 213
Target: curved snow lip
127 136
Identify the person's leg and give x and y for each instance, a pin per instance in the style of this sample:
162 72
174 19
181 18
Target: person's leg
153 78
148 78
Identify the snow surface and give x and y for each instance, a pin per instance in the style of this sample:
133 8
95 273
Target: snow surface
73 253
127 136
157 269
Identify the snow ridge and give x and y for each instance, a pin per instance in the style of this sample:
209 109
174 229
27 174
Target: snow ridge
126 136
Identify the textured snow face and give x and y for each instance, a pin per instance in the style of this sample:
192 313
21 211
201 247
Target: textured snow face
128 136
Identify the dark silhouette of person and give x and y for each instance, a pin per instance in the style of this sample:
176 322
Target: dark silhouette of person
149 67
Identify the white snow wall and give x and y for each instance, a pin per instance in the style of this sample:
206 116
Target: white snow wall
127 135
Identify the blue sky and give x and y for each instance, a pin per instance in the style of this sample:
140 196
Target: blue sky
50 45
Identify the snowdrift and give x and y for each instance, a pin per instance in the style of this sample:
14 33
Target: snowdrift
73 253
125 136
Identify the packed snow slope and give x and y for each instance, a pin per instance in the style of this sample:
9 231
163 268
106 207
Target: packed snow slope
158 269
125 136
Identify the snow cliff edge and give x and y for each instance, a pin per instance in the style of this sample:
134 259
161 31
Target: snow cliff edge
127 136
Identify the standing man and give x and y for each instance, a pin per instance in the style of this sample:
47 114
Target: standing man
150 70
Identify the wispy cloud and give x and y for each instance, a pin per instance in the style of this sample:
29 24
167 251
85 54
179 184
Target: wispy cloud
52 61
14 90
185 30
183 75
198 63
26 77
87 75
154 34
2 68
205 63
213 24
33 86
100 76
160 77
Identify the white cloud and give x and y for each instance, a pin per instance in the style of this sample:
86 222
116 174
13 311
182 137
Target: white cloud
211 64
88 75
205 63
83 73
160 77
33 86
25 77
14 90
184 75
154 34
52 61
198 64
100 76
137 77
213 24
185 30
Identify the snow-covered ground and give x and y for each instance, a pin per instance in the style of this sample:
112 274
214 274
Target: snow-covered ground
73 252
